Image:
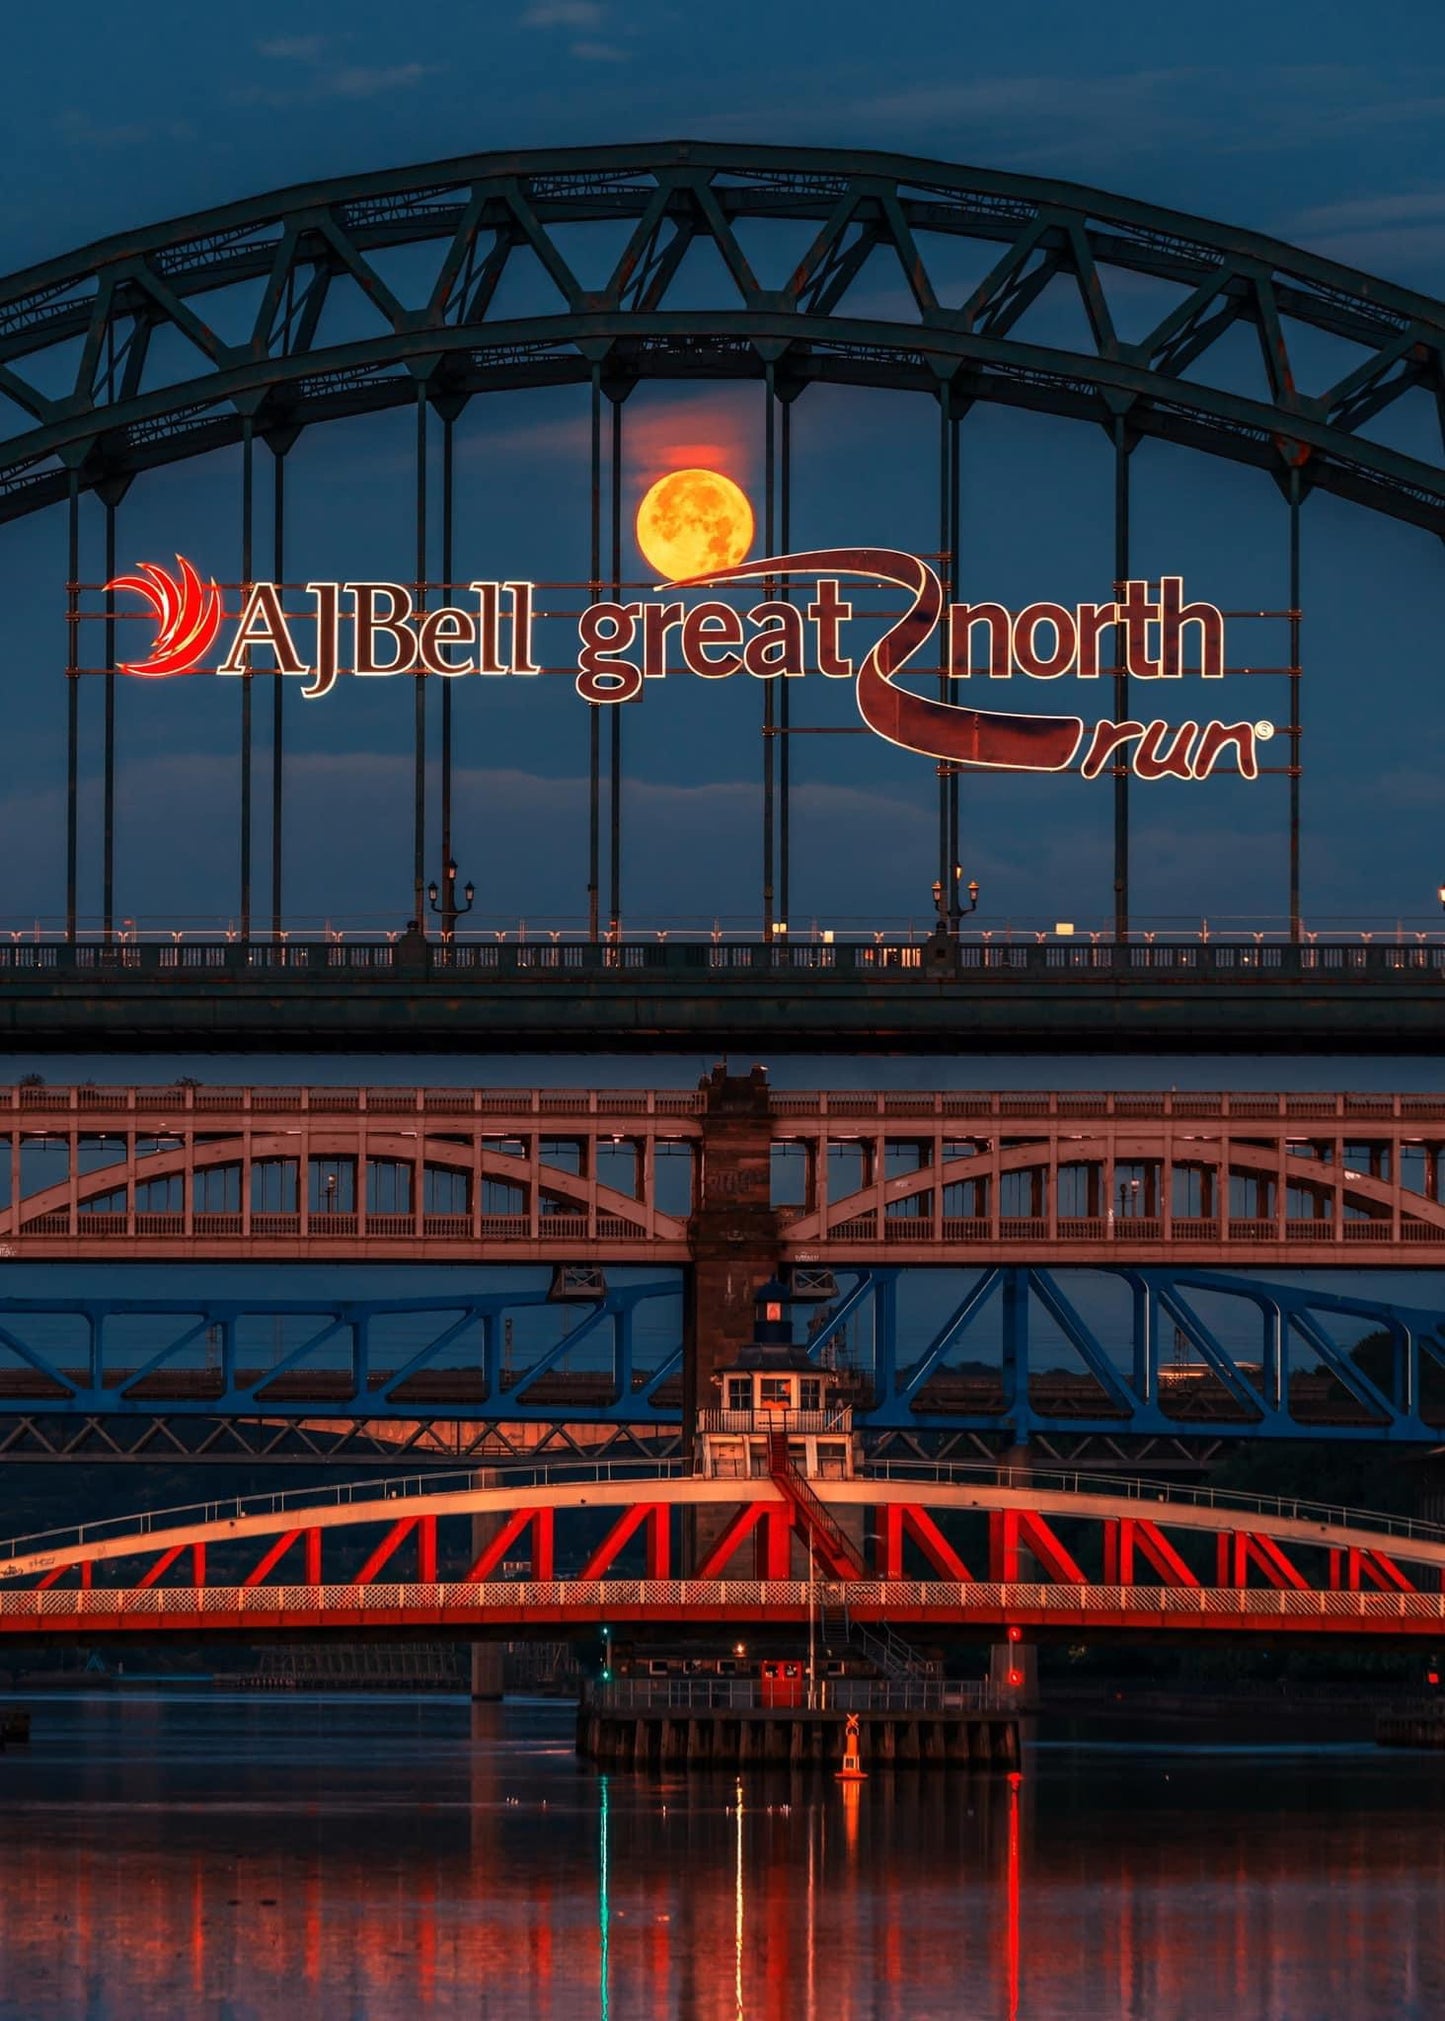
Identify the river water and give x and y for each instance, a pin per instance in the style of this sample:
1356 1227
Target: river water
251 1858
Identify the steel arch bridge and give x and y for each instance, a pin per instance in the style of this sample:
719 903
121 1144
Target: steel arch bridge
582 1547
121 412
252 322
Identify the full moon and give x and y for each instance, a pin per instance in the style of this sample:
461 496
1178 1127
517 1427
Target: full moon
693 522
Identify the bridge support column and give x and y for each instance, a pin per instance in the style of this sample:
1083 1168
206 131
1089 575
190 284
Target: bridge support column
734 1243
487 1670
733 1234
487 1657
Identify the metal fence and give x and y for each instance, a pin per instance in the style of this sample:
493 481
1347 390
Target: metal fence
838 1418
826 1694
1040 955
530 1602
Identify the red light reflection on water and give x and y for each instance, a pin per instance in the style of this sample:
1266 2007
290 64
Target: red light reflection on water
1011 1923
900 1905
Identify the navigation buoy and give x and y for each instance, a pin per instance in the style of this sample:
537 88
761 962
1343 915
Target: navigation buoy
852 1769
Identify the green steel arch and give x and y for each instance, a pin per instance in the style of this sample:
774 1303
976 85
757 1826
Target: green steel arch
164 343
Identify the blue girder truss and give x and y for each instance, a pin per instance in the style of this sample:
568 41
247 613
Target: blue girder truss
1014 1351
436 1358
1143 1352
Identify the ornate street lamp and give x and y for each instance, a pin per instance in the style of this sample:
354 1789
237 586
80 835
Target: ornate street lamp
949 915
448 909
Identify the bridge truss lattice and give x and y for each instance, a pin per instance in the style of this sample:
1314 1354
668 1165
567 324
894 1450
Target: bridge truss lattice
604 267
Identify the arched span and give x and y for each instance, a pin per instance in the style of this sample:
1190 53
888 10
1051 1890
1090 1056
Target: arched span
532 1179
1373 1200
92 395
945 1491
1132 1558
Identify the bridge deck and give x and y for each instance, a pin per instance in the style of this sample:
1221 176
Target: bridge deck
1006 996
519 1608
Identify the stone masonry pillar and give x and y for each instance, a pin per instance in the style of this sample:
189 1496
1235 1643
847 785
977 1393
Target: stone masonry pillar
486 1670
733 1233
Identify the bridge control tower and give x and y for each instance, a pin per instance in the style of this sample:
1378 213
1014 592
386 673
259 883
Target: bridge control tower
775 1407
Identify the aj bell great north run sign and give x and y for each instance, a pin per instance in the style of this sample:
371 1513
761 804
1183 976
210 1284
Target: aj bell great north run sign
376 630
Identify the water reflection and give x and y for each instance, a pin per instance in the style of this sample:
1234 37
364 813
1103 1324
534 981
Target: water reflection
379 1859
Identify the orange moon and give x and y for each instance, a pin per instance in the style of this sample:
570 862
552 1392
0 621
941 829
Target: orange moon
693 522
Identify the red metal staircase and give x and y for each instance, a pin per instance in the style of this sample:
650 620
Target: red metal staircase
827 1539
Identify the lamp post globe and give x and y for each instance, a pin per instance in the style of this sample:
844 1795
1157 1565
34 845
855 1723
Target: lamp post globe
442 898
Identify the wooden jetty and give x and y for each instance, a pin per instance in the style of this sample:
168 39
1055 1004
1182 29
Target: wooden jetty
1417 1723
733 1723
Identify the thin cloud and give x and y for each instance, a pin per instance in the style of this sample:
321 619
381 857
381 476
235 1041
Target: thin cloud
350 81
1414 255
1085 127
562 14
78 129
1395 111
576 14
1399 232
295 48
1135 109
1398 207
349 852
359 82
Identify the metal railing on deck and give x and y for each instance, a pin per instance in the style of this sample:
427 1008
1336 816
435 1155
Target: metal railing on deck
680 1106
1347 960
1154 1498
839 1418
524 1603
827 1694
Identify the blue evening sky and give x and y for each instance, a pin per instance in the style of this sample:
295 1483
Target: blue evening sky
1290 118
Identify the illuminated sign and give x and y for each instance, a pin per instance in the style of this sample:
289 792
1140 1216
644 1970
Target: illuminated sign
376 630
187 612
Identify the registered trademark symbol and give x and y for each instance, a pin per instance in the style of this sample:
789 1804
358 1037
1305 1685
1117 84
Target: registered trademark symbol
1264 730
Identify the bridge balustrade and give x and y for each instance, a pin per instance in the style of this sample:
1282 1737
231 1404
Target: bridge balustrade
1035 957
522 1604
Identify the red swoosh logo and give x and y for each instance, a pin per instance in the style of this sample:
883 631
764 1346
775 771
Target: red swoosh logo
188 616
990 737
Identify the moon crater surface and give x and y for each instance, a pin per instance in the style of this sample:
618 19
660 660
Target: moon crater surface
694 522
